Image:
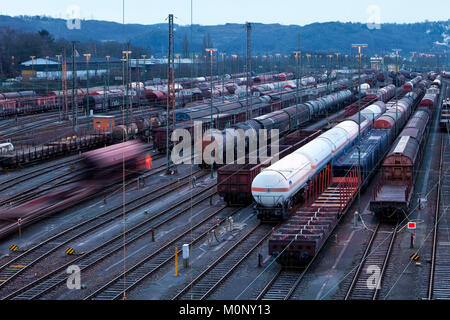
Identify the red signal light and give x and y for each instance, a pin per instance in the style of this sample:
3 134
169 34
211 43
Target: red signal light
148 162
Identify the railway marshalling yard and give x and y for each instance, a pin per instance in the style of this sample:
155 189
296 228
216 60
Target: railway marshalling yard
127 237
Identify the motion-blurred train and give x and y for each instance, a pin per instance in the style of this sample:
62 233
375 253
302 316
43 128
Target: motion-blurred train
99 169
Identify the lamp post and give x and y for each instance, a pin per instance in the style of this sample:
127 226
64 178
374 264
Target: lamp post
46 74
396 85
234 62
278 59
144 57
177 56
359 46
108 75
211 54
143 80
330 67
297 75
127 53
32 70
59 92
223 76
88 56
196 65
13 64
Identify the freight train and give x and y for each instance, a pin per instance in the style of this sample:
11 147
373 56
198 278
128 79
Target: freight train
229 113
408 86
444 118
392 196
285 121
282 185
279 187
27 102
234 180
299 239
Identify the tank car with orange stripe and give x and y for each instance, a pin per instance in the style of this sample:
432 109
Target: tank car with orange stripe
280 186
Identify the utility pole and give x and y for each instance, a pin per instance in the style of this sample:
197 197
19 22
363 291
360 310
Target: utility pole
127 97
170 86
65 112
108 76
145 69
396 87
223 77
32 71
297 76
191 45
74 106
59 93
248 68
138 90
359 46
143 80
46 74
87 55
211 54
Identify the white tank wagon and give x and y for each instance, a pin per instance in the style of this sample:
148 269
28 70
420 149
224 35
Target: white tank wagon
6 148
374 111
277 188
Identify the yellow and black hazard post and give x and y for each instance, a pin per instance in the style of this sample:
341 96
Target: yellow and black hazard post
414 257
70 251
13 247
176 262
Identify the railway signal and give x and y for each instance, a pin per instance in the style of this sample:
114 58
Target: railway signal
70 251
411 225
19 222
13 247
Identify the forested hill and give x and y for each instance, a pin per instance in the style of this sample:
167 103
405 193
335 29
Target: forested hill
267 38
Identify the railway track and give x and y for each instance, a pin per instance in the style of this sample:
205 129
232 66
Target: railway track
112 246
282 285
29 258
23 133
439 280
35 191
215 274
6 184
368 277
151 264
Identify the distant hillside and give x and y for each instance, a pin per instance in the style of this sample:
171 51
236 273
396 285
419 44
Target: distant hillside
267 38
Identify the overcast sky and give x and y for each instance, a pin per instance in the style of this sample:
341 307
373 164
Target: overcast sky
210 12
